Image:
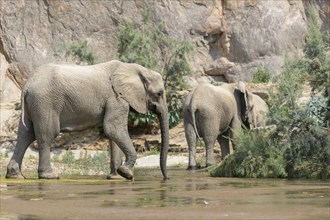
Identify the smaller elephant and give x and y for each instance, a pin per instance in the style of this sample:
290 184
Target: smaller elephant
212 113
259 111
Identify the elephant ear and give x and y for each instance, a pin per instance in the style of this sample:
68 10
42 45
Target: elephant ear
128 82
243 102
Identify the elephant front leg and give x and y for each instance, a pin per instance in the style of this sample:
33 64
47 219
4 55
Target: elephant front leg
115 161
115 127
124 142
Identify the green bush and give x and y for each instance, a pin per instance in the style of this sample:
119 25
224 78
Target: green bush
80 51
289 84
308 152
261 75
314 41
255 156
148 45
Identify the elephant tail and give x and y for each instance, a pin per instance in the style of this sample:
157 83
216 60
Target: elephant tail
193 111
24 92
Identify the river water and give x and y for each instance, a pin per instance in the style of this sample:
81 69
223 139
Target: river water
187 195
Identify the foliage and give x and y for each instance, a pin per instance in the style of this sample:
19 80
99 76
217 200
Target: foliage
135 45
318 63
153 151
255 156
175 104
317 108
80 51
284 96
135 119
314 41
261 75
308 151
149 45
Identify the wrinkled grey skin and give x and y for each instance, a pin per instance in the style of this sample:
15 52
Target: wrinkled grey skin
212 113
60 98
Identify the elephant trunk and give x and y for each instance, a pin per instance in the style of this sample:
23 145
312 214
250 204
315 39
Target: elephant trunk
164 128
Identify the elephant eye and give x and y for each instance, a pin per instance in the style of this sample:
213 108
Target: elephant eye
160 94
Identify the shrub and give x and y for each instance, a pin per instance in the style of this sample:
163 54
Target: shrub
289 84
255 156
261 75
80 51
314 41
308 152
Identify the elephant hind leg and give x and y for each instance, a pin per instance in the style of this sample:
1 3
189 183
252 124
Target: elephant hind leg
209 144
191 137
24 139
223 140
45 134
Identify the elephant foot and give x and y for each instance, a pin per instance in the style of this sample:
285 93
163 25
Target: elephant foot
196 167
209 165
191 168
125 172
14 176
13 171
48 175
114 176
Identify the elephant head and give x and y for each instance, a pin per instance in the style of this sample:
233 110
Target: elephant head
144 90
245 105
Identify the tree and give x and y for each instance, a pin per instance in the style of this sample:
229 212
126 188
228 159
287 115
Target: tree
318 63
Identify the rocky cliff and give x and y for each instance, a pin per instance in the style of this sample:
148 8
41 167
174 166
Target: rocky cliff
232 37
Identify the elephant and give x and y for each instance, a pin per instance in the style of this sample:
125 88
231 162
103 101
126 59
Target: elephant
259 110
65 97
212 113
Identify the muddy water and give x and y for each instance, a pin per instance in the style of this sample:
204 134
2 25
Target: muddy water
186 195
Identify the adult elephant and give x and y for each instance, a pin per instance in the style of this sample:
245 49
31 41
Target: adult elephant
60 98
212 113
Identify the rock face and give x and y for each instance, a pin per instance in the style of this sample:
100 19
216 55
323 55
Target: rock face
232 37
